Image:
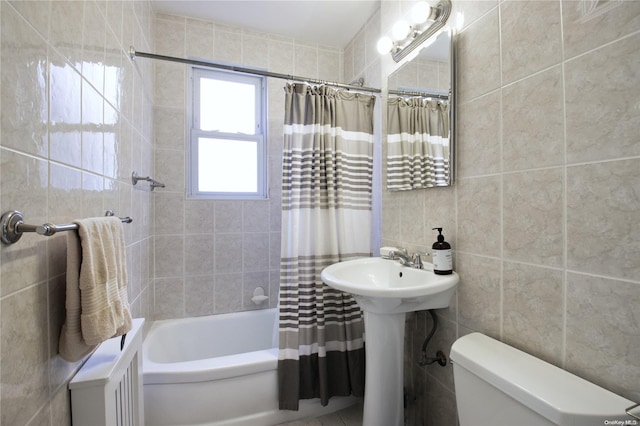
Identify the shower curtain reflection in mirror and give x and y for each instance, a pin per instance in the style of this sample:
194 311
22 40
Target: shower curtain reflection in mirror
417 143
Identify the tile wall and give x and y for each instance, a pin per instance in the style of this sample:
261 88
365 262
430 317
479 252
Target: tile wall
76 121
211 255
544 214
361 58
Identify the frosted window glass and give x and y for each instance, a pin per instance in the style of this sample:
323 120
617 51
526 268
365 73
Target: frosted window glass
227 152
227 106
226 165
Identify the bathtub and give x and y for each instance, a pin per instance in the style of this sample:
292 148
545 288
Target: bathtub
218 370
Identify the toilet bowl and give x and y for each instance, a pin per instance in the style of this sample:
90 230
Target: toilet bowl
497 384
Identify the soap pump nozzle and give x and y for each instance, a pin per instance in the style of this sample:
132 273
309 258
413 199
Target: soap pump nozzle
440 236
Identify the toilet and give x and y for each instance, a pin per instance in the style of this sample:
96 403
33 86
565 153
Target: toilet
498 385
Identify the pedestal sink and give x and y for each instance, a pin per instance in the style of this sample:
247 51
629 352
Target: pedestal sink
386 291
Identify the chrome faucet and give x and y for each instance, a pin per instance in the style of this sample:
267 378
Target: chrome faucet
401 255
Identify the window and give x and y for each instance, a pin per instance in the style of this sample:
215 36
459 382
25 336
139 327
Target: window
227 157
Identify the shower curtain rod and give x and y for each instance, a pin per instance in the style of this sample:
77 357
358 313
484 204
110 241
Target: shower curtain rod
419 93
133 54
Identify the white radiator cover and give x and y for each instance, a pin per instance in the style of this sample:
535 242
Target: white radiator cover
108 389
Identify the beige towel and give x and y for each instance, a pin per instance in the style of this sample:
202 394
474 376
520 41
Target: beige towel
72 346
103 308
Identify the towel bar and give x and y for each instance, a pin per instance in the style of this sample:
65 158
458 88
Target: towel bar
13 226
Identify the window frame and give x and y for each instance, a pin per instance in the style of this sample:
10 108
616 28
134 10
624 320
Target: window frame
195 133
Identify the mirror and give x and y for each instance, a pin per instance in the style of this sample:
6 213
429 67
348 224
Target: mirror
427 79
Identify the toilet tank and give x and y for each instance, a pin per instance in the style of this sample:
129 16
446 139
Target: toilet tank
497 384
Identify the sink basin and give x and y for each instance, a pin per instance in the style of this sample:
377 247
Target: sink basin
385 286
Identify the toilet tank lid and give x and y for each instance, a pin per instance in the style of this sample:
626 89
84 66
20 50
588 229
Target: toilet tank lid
552 392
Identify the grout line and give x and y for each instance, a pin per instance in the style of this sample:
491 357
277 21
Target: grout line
601 46
501 308
606 277
563 347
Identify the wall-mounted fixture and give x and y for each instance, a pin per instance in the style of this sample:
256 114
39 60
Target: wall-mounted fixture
258 296
153 184
13 226
408 33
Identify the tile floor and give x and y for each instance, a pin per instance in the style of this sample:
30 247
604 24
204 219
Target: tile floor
350 416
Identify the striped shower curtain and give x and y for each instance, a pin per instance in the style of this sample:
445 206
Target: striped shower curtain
417 143
326 218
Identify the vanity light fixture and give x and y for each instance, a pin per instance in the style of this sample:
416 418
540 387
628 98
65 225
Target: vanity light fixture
422 22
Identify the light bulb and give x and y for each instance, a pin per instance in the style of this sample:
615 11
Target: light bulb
400 30
420 12
384 45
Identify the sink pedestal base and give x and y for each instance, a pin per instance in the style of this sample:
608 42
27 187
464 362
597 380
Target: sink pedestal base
383 394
